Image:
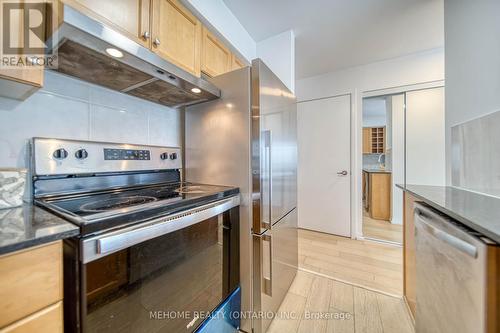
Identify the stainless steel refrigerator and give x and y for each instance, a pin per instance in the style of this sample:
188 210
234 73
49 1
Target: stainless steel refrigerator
247 138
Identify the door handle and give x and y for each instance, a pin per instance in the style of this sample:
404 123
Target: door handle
343 173
267 283
267 146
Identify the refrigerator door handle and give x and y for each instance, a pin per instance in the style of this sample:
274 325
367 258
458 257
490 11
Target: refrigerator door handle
267 283
266 135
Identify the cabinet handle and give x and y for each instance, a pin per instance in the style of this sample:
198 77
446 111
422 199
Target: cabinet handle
146 35
156 42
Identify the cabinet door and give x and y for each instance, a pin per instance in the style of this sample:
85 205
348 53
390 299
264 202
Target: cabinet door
129 17
367 140
236 63
176 35
19 83
215 56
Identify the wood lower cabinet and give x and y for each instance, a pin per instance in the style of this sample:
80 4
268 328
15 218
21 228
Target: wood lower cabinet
216 58
379 195
48 320
176 35
409 252
129 17
31 290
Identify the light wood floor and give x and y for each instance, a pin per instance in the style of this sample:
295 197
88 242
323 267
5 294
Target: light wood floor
315 304
364 263
383 230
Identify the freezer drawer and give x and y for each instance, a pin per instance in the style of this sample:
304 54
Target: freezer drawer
275 266
457 283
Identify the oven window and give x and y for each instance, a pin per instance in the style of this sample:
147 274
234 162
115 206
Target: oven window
159 285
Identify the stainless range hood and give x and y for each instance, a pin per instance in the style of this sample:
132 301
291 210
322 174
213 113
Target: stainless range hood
80 43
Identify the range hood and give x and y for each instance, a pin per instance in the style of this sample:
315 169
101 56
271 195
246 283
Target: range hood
81 43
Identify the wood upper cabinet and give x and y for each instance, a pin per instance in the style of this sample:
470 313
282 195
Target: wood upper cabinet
373 140
20 83
367 140
176 35
215 56
129 17
236 63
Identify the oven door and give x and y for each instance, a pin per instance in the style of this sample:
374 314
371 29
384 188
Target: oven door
161 276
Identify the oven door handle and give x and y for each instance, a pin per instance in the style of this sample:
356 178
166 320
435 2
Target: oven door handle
100 246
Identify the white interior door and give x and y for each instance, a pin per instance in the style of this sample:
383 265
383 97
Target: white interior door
324 174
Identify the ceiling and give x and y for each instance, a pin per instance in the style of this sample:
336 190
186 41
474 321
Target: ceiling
336 34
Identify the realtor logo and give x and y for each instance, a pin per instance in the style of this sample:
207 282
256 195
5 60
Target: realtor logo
24 29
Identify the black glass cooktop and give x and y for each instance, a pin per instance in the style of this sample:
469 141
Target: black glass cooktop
102 210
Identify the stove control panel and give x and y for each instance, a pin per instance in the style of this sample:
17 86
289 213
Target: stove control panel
126 154
69 157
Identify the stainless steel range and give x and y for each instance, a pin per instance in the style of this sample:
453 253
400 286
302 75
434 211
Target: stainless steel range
150 244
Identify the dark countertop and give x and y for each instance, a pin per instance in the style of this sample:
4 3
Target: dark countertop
477 211
29 225
376 170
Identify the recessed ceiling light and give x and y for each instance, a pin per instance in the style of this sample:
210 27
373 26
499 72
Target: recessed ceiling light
114 52
196 90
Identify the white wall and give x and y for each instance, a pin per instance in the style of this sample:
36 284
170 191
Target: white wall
417 68
472 30
72 109
215 14
278 52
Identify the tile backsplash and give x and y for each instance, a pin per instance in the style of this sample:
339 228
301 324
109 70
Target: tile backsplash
475 155
72 109
370 161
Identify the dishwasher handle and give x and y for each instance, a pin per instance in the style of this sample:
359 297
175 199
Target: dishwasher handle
430 222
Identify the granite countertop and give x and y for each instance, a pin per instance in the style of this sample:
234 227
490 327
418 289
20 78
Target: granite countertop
477 211
29 225
376 170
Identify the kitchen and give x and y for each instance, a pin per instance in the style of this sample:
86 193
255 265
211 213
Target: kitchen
177 160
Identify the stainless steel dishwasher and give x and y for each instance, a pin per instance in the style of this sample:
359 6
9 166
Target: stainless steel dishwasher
457 279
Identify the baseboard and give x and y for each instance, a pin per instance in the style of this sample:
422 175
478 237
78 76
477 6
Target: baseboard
408 310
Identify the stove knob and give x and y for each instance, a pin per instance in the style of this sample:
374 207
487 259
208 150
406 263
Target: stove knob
164 156
81 154
60 154
173 156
